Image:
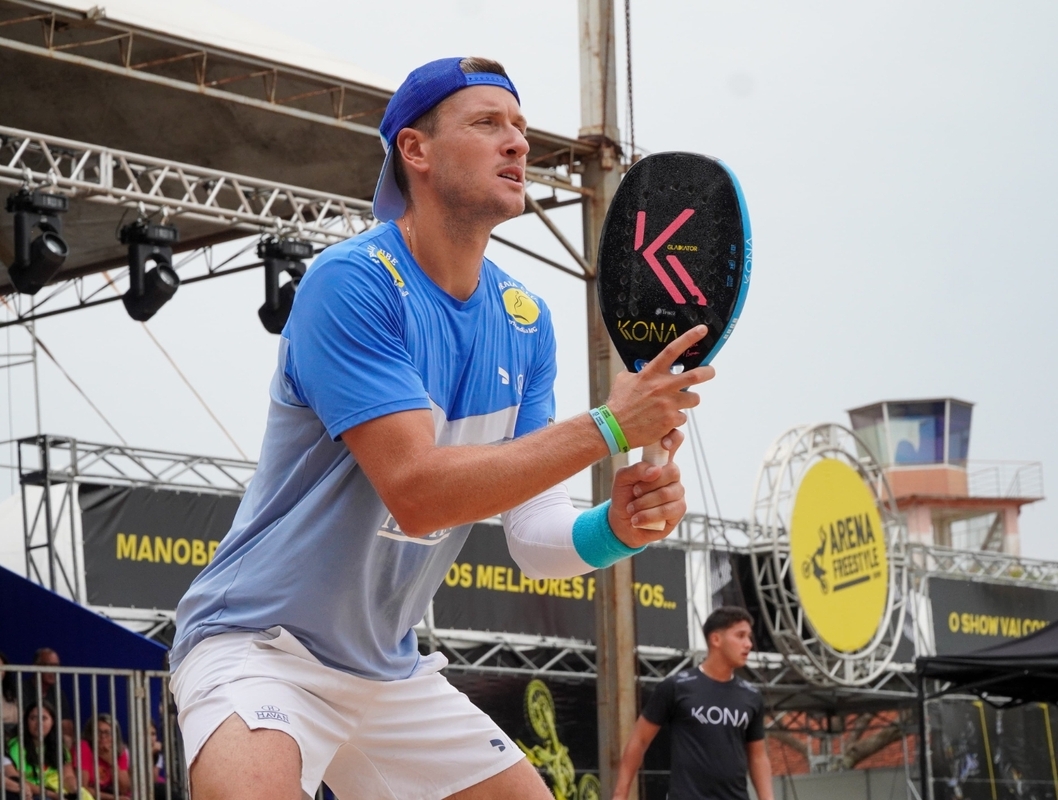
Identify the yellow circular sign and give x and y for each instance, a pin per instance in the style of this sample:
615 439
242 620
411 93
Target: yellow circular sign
840 562
520 306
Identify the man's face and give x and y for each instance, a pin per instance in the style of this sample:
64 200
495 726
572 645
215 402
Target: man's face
476 156
49 659
733 644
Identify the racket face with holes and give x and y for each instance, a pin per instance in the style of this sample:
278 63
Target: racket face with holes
676 251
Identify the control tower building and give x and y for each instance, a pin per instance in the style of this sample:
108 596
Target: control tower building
948 500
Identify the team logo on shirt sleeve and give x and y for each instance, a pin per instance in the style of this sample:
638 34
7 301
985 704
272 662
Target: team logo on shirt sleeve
522 308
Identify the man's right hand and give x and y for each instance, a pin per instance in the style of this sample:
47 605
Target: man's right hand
650 403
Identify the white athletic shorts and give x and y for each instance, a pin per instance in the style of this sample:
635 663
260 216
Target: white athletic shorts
412 739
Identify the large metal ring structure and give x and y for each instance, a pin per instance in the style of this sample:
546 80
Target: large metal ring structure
785 464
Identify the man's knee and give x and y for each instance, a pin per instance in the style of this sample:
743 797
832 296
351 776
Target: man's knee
237 763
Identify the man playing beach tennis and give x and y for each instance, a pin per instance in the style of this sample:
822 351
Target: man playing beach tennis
413 397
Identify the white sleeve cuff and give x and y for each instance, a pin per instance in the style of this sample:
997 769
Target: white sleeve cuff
540 536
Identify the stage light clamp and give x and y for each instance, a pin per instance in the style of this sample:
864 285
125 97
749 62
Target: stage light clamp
37 260
291 249
143 232
38 202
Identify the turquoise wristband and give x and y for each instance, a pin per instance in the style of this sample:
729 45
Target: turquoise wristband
604 429
595 541
615 429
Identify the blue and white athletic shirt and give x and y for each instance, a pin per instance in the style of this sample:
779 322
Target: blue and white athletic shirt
312 547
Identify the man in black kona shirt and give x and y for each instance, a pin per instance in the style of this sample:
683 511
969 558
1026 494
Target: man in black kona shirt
717 721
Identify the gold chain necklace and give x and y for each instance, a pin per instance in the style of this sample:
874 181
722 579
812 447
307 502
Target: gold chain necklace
407 230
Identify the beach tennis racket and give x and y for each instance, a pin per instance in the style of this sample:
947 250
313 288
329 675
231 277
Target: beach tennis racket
676 252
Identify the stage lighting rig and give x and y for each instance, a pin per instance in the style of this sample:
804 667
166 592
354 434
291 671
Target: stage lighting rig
149 291
281 255
37 260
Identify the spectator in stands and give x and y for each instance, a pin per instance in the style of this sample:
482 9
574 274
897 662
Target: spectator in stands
49 771
157 763
50 691
101 748
16 788
8 698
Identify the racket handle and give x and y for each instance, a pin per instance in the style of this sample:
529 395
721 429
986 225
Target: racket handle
658 456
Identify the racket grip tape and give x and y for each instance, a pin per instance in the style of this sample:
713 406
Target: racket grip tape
658 456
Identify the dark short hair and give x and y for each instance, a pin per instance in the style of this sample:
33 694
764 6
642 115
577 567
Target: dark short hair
723 618
427 123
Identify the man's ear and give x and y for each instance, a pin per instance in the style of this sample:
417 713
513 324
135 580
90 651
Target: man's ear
414 148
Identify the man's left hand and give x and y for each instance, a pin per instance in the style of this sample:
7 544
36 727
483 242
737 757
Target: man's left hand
644 493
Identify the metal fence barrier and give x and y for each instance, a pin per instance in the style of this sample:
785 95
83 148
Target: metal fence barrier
89 734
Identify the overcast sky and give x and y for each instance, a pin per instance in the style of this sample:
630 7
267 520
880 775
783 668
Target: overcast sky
899 165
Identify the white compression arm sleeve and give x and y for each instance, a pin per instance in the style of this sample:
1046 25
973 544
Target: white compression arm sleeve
540 536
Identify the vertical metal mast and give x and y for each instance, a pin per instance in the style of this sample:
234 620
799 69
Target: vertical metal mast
614 610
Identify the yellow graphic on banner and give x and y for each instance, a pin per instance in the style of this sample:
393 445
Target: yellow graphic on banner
552 756
841 567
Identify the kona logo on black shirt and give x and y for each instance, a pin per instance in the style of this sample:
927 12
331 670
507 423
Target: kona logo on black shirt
715 715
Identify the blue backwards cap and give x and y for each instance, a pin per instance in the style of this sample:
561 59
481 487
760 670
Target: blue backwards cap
423 89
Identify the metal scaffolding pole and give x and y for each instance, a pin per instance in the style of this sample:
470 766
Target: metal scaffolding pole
614 612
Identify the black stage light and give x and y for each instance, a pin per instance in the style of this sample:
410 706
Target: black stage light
149 291
37 260
280 255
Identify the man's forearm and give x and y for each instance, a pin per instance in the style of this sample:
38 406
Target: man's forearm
760 774
441 487
631 759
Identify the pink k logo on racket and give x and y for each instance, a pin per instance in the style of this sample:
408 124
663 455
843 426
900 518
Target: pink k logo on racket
651 258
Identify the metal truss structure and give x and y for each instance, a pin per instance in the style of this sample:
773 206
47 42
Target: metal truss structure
175 190
980 565
57 465
538 656
785 463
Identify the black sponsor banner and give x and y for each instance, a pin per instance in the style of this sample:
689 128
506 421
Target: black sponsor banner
143 547
978 752
733 585
555 723
970 615
486 591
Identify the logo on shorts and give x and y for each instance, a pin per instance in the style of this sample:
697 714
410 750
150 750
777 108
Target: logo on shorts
272 712
391 530
498 743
